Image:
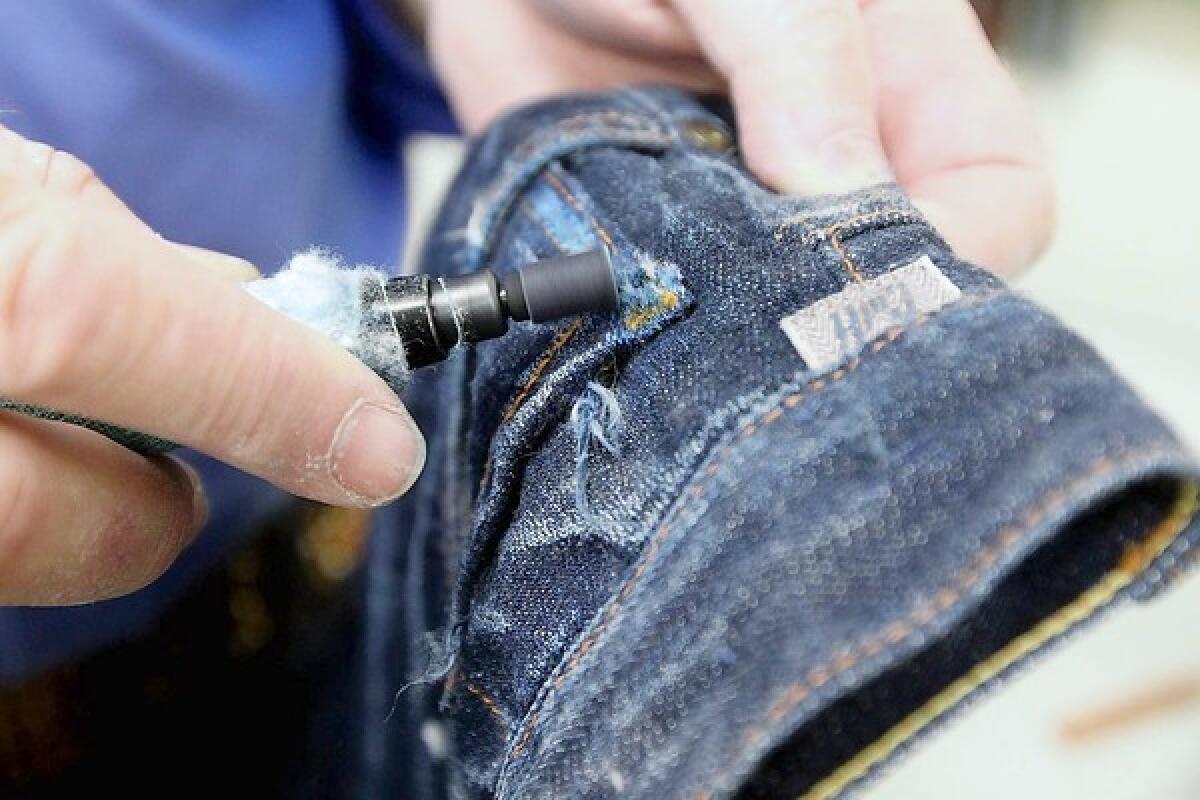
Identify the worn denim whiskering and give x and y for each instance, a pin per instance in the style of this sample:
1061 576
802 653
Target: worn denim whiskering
684 552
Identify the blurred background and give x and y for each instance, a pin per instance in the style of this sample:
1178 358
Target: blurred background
1114 713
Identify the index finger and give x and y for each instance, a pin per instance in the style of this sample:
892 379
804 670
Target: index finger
802 88
958 132
101 317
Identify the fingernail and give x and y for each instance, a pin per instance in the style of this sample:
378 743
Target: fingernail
377 453
200 507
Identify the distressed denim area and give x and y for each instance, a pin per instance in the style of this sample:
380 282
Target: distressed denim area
659 554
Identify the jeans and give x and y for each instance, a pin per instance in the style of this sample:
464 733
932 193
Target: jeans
818 483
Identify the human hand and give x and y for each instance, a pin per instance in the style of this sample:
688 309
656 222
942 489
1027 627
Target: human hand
831 95
101 317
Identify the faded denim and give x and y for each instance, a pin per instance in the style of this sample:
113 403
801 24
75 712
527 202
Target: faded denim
669 558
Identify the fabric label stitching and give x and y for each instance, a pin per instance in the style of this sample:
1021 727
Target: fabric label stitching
836 328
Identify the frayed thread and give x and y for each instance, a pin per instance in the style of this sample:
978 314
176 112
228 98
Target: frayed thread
596 416
318 290
439 659
650 289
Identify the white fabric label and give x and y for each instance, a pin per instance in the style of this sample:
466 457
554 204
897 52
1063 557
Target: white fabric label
835 329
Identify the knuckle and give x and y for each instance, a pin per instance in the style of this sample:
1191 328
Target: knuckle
22 162
243 412
28 166
68 174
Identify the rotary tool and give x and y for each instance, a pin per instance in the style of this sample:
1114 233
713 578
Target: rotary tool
431 316
395 325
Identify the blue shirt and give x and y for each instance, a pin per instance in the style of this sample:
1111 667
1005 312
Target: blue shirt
254 127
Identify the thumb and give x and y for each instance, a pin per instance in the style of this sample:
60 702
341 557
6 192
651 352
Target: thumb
801 83
101 317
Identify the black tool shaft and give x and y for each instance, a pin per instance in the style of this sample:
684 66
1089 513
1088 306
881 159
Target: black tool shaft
434 315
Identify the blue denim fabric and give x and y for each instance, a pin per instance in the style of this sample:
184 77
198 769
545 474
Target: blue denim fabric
669 558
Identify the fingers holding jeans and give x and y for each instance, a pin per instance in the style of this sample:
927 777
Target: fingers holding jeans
958 131
83 519
831 95
802 85
101 317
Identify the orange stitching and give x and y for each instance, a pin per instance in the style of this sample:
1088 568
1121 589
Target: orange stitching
820 234
541 223
557 344
514 405
452 676
835 241
488 701
834 234
573 201
873 647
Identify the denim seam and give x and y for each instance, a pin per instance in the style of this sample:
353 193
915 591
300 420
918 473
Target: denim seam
537 219
856 226
537 371
548 355
767 417
490 703
538 384
839 232
613 123
648 102
892 214
543 363
530 157
564 336
923 614
533 153
570 134
564 191
556 182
